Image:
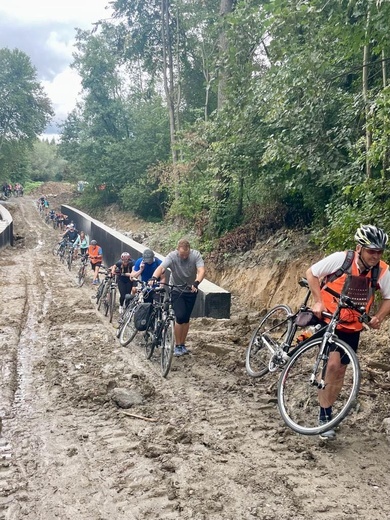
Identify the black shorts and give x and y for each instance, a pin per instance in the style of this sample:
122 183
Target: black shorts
350 338
183 304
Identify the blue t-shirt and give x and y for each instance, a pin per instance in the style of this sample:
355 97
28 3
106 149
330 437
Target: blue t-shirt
149 269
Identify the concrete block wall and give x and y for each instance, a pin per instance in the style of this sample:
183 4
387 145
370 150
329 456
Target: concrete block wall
212 301
6 228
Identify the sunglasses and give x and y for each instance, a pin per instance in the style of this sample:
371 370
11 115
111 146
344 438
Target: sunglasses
374 251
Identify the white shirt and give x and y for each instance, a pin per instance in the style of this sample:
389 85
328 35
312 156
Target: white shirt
331 263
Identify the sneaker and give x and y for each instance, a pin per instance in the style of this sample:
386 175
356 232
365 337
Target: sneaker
184 350
95 282
328 435
178 351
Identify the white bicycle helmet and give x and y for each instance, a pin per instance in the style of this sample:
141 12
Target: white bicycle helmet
125 256
371 237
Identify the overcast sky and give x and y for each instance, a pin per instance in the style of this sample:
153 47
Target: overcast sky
45 31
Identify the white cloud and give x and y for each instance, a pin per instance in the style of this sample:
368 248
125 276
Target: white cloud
45 30
63 90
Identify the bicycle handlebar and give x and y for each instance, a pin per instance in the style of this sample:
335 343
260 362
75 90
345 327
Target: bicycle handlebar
346 301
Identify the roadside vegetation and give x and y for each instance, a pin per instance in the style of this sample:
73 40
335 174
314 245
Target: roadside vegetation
234 118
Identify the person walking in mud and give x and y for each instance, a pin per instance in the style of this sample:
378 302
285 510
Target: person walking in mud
123 269
95 254
187 268
365 274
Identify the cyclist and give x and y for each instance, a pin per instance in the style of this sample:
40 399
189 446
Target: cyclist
81 242
357 283
95 254
187 267
123 269
145 266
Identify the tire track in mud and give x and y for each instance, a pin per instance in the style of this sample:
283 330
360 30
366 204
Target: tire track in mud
218 450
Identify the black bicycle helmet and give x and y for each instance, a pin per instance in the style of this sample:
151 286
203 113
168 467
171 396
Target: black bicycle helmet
371 237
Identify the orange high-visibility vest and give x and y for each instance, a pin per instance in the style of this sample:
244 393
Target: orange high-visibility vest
349 319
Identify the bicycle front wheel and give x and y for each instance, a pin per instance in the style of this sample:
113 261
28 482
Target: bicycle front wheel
70 260
103 295
81 276
299 387
112 303
276 327
128 330
167 347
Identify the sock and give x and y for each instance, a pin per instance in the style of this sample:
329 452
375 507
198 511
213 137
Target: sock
325 413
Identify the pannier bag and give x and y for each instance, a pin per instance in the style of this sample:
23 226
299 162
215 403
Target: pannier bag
142 315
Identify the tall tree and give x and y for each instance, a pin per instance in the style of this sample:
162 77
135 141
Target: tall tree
25 110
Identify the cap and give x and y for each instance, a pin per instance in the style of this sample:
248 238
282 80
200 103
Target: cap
148 256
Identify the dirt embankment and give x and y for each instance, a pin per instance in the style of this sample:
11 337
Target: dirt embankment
217 449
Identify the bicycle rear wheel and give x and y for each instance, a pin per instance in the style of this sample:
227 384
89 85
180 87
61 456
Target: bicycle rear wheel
128 330
298 397
167 347
276 326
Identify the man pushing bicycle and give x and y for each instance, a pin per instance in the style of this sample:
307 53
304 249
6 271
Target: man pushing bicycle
358 275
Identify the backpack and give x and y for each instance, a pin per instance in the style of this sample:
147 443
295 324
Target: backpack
346 265
142 316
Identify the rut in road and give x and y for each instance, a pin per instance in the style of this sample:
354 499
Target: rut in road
217 451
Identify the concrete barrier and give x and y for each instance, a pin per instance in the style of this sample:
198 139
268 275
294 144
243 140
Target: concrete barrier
212 301
6 228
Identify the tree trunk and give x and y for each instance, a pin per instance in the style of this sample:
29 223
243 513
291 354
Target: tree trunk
168 74
366 58
226 7
385 162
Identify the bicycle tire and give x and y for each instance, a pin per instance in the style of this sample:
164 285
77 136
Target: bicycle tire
56 250
103 294
106 302
112 303
128 331
276 327
167 346
298 398
81 275
150 334
69 260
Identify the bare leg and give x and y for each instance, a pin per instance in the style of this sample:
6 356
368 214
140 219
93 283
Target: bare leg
181 331
334 380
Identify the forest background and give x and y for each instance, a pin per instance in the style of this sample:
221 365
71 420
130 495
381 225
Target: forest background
233 118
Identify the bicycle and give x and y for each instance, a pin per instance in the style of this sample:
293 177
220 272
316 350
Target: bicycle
305 376
127 331
160 330
304 367
103 286
81 274
69 255
110 299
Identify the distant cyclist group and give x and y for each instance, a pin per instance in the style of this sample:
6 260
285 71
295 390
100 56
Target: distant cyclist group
10 190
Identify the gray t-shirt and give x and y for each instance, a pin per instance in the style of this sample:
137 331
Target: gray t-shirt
183 271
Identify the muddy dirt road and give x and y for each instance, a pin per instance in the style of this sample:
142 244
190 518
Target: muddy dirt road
217 449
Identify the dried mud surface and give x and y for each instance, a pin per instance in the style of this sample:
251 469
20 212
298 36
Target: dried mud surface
217 449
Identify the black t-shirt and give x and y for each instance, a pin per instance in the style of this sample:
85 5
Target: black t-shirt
123 269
